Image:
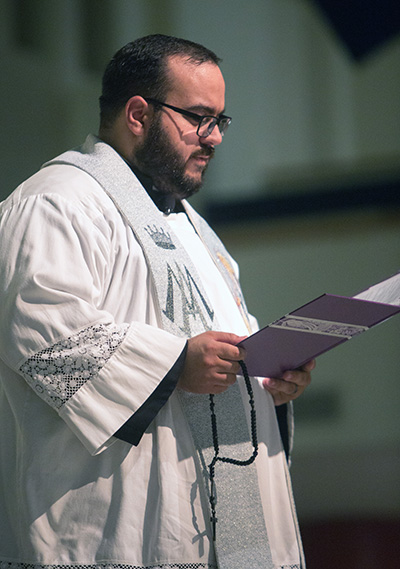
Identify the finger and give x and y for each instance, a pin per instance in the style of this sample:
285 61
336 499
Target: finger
225 379
227 366
228 338
231 353
278 397
309 366
299 377
222 382
286 387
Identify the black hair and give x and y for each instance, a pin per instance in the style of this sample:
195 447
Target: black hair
139 68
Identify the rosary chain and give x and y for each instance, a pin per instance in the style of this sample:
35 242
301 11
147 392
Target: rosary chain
216 458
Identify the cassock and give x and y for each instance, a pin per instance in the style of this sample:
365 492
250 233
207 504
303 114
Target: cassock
82 353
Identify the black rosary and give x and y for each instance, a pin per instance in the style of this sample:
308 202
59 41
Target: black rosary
216 458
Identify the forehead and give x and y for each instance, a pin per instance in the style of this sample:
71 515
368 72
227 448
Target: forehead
196 85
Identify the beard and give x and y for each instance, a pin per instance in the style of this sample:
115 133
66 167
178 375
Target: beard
158 159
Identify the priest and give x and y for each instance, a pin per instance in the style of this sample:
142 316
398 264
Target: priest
131 434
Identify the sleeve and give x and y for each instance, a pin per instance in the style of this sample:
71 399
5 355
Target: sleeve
95 373
136 425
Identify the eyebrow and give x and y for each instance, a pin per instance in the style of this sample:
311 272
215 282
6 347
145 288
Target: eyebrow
204 110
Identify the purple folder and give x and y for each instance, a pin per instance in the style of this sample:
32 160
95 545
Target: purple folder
309 331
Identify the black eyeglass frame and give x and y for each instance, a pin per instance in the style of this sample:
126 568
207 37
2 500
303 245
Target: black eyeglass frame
223 120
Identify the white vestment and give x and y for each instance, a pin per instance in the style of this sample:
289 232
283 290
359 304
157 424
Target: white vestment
81 350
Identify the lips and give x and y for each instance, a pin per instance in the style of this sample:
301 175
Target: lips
204 155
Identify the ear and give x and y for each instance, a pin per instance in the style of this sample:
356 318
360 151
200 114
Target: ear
136 114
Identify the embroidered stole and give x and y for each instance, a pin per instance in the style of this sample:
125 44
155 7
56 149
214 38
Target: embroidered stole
184 310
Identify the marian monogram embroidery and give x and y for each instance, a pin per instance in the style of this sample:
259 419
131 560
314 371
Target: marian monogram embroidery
183 303
184 300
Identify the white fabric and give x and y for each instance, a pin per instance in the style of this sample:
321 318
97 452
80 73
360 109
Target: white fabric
72 275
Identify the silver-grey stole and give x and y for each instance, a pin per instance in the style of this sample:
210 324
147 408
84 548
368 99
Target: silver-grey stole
184 310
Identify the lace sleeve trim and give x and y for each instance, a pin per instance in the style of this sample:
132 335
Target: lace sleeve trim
57 373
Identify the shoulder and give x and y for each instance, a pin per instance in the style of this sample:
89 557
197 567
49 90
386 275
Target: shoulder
66 188
68 182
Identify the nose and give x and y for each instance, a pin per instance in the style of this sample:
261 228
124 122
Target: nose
212 139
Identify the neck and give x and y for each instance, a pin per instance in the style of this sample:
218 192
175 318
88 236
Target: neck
118 138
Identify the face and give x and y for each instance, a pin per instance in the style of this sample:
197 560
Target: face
171 153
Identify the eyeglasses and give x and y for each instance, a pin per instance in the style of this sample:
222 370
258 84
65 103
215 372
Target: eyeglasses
207 123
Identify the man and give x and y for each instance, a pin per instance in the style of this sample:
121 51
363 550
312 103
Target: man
121 315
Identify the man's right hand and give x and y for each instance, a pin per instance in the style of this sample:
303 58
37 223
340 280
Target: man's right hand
212 362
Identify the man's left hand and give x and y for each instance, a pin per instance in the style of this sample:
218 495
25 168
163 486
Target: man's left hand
291 385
